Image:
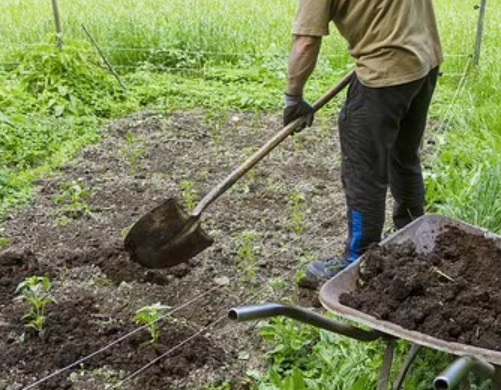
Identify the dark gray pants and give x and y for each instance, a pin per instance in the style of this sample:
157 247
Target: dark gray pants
381 131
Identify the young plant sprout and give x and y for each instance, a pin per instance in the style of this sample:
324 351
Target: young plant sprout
133 154
297 202
75 198
247 252
188 194
36 291
150 315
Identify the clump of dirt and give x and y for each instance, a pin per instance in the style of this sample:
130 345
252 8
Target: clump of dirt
75 329
15 266
451 293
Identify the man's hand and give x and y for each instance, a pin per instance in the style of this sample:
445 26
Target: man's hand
296 107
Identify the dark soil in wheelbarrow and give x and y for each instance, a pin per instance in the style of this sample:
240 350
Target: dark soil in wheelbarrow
452 293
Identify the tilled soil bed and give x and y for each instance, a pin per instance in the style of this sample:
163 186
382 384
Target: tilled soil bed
452 293
73 234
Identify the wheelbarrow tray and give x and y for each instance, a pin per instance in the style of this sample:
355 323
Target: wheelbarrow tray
423 233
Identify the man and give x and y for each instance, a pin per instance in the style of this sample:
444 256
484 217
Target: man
397 50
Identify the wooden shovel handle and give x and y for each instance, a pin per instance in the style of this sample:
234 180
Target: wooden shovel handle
228 182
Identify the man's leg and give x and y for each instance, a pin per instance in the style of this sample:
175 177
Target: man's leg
369 125
369 128
406 178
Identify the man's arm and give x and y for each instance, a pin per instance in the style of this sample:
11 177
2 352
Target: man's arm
302 61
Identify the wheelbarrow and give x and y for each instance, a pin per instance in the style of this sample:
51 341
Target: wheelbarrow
422 233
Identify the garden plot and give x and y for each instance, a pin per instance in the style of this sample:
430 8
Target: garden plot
289 210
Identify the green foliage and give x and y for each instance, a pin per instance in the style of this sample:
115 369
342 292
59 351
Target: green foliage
188 194
74 197
304 357
3 240
36 291
247 252
64 82
297 203
221 386
133 154
150 316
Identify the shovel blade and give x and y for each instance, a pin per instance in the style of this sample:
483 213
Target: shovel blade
165 237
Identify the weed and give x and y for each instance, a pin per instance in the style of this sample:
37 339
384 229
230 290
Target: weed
220 386
188 194
150 316
247 253
215 121
3 240
297 203
75 197
132 152
36 291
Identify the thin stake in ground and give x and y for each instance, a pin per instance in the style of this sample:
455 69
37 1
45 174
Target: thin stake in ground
57 21
108 63
480 31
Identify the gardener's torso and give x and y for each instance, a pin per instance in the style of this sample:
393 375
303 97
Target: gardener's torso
393 41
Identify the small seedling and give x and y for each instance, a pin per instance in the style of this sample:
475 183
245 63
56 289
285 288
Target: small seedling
133 154
188 194
150 315
74 197
297 202
247 253
215 123
3 242
36 291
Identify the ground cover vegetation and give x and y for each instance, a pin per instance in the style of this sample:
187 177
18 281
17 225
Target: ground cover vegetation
228 56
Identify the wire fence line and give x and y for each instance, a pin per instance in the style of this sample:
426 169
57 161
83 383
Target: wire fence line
195 335
160 49
137 330
179 345
462 83
167 315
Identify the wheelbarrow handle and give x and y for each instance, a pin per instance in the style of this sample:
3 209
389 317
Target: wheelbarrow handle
228 182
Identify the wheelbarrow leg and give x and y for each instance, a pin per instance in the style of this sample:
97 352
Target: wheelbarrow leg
411 356
384 377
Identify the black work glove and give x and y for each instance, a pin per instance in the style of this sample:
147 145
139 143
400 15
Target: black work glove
297 107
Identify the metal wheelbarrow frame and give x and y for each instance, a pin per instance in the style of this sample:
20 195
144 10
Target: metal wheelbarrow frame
423 233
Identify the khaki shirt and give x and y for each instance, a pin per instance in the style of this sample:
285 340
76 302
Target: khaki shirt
393 41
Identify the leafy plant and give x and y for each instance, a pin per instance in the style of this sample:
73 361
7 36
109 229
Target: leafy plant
150 316
75 198
133 153
188 194
3 241
247 253
297 203
36 291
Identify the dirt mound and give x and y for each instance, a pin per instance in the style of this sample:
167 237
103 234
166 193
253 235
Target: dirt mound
451 293
15 266
75 329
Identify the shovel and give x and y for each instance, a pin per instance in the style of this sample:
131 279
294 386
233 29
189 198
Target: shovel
168 236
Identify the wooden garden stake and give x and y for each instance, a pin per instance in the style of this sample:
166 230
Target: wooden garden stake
480 31
108 64
57 20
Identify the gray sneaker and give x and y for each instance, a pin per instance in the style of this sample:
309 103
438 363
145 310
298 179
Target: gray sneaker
321 271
